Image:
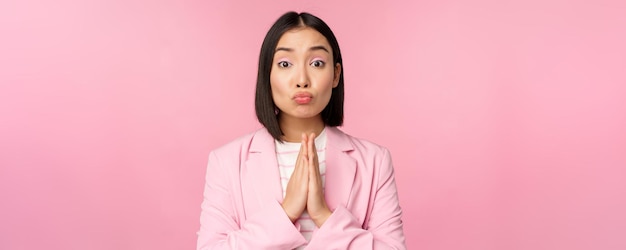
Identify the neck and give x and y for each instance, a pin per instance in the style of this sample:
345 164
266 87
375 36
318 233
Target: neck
294 127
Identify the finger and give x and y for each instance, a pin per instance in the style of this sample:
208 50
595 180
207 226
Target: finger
314 148
313 178
313 156
303 149
304 164
301 173
303 144
311 147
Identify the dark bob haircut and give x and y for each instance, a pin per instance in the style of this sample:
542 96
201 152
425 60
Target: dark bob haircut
266 110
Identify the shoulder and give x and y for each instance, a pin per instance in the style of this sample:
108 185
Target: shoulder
242 144
364 144
360 145
372 159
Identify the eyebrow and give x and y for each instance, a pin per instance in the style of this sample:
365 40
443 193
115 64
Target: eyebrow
318 47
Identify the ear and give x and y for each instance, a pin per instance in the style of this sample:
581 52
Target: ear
337 75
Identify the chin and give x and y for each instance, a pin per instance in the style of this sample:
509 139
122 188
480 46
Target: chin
306 116
300 115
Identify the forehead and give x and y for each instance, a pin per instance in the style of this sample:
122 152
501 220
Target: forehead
302 38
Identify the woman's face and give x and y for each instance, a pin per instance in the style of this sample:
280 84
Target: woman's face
303 75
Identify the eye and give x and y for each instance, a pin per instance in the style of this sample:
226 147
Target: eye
284 64
318 63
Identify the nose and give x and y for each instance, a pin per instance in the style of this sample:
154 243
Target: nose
303 78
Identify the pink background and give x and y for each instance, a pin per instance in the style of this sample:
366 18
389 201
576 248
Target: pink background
506 119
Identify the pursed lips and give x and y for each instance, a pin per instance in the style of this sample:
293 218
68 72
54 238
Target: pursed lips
302 97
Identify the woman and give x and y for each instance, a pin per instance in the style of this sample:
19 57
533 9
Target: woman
300 182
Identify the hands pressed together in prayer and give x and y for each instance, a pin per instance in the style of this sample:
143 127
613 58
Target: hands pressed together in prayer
304 190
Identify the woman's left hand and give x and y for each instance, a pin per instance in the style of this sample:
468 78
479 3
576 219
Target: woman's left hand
316 203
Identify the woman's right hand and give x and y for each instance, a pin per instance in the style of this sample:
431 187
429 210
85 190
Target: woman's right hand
297 187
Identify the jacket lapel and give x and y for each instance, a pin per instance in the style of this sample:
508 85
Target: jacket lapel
261 178
340 168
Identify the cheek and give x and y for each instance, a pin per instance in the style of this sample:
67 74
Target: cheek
275 85
272 77
327 82
326 87
279 87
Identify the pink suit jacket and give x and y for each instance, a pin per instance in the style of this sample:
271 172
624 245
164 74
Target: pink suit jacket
242 197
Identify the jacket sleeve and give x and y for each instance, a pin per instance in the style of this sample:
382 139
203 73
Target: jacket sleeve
220 225
383 229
